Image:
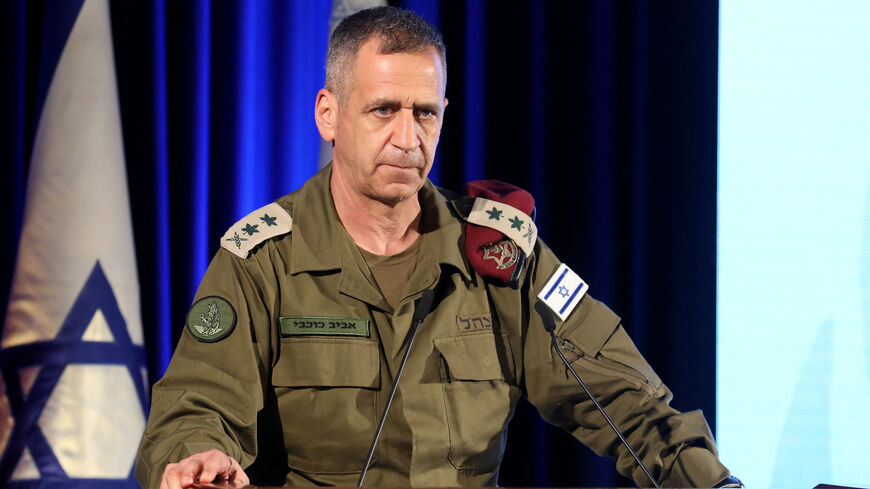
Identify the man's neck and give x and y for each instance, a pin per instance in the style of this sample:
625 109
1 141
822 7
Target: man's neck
377 227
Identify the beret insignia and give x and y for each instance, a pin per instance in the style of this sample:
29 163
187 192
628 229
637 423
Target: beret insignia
500 232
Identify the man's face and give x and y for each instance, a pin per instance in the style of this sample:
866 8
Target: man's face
387 128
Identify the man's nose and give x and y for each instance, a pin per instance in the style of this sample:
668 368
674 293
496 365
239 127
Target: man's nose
405 131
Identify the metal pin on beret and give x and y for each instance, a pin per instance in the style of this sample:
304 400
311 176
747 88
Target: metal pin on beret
500 230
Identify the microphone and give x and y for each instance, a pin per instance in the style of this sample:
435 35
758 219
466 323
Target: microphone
424 305
550 325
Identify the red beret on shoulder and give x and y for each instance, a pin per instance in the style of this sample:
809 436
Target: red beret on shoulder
500 232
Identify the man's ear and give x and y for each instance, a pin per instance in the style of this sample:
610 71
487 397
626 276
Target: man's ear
326 114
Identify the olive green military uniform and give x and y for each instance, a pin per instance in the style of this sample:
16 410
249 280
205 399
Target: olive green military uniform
311 402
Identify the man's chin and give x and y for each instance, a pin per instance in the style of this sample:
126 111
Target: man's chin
395 193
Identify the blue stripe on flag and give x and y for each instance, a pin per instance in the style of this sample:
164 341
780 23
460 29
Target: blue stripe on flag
62 353
73 483
549 292
571 299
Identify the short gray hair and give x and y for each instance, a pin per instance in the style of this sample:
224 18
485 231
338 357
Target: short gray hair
399 31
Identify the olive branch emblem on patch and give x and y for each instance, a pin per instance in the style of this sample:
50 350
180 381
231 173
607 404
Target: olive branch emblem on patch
211 319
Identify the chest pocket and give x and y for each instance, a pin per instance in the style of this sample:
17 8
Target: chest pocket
327 395
477 400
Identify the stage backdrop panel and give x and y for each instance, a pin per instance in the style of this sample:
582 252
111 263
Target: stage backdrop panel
793 366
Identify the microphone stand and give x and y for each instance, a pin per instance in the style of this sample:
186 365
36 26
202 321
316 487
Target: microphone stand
550 326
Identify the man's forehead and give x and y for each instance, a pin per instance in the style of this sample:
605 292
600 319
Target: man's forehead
376 46
403 77
395 94
411 66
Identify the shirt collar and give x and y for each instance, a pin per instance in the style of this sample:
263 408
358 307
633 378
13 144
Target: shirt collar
319 238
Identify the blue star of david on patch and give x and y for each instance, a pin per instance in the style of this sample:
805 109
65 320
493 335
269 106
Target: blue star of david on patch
563 291
52 357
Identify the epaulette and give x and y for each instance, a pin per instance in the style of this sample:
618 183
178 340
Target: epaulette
264 223
500 229
469 208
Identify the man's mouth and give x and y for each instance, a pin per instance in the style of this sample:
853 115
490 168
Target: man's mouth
402 166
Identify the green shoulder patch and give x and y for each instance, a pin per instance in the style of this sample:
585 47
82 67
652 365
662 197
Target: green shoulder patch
323 326
211 319
258 226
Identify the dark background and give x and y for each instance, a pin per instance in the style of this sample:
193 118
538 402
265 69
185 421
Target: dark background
605 110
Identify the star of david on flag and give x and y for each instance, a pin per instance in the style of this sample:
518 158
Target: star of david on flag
73 394
563 291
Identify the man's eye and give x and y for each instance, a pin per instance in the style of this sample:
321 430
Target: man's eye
383 111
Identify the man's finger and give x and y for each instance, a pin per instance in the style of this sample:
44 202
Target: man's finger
238 476
206 467
216 465
172 480
189 472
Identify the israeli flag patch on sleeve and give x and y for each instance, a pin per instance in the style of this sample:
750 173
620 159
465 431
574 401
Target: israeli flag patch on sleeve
563 291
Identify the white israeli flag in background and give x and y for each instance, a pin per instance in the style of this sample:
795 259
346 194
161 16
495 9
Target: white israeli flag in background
563 291
73 397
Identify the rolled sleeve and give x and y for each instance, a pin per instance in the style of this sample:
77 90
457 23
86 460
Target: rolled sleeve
677 448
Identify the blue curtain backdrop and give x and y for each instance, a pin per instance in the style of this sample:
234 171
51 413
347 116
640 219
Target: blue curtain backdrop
605 110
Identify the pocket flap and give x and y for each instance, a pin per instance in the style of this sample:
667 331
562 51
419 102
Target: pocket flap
595 323
327 362
471 357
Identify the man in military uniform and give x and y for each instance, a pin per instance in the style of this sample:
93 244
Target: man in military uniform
297 331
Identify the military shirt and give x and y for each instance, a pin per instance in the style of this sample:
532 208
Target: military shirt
301 409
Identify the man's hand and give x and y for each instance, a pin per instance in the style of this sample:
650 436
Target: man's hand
204 467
